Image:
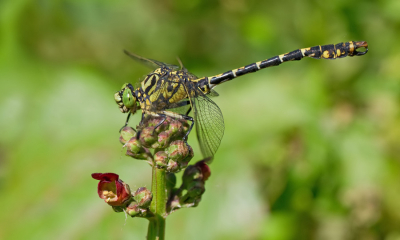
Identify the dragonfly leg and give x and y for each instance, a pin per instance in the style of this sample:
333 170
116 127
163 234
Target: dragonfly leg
138 134
127 120
190 128
188 111
164 117
139 127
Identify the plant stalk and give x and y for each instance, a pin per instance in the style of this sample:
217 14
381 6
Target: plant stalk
156 229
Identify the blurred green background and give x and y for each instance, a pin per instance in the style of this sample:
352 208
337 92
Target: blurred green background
311 148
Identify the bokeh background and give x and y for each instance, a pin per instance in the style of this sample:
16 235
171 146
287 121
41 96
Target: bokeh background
311 148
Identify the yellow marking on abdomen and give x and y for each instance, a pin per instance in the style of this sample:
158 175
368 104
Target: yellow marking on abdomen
325 54
351 47
234 72
303 51
258 65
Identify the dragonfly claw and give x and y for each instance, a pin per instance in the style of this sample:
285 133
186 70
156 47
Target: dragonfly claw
362 44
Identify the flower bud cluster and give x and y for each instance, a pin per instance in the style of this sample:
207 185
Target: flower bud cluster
171 152
192 188
175 157
139 207
117 194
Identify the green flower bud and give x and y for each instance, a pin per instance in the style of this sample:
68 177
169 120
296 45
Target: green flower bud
193 195
145 155
195 189
164 138
173 166
136 150
134 146
185 161
177 150
118 208
133 209
192 173
143 197
175 127
171 180
198 172
161 159
147 137
126 134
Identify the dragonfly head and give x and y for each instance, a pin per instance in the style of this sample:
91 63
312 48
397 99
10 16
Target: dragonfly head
126 99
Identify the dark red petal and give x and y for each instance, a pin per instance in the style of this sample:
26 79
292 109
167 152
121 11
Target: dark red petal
97 176
99 191
110 177
120 187
105 176
205 170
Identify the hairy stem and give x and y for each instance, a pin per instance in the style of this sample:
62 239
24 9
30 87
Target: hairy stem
156 230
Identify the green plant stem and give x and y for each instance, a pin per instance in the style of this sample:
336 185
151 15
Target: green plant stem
156 230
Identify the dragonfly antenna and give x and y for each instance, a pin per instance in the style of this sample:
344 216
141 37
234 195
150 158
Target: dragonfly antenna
180 62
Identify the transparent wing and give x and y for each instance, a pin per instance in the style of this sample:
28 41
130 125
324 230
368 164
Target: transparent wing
213 93
209 122
151 63
181 107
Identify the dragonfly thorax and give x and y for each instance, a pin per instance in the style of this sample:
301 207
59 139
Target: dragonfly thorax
163 88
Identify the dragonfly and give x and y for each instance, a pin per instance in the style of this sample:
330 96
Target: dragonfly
172 91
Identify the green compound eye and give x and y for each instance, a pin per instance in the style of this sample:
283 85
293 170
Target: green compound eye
128 98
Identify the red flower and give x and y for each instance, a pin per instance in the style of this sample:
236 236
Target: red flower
112 189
